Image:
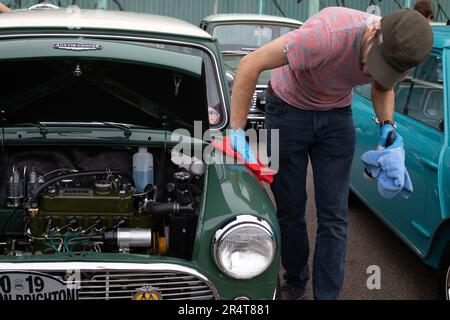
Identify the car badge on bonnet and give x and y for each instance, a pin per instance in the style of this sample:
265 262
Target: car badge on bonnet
147 293
77 46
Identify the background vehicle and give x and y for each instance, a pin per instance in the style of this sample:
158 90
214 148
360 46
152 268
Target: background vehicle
83 98
422 115
240 34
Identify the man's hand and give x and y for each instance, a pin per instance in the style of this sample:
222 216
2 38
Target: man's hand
241 146
388 133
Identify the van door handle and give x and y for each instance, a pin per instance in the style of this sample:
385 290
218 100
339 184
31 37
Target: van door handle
428 163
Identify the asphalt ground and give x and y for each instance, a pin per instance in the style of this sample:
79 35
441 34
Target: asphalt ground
370 243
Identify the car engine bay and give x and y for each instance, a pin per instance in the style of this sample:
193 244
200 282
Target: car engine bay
67 200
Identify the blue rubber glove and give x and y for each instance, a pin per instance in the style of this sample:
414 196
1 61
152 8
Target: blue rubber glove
241 146
385 132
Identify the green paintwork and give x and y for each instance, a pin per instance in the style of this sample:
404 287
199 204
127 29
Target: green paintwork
113 50
230 190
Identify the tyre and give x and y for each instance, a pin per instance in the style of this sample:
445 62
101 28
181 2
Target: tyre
352 198
444 281
278 293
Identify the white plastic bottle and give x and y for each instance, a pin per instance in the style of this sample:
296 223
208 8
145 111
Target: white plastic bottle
143 169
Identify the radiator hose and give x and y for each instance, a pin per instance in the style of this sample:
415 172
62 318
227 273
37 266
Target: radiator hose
156 208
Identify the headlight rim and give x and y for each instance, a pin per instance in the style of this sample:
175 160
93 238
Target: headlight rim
239 222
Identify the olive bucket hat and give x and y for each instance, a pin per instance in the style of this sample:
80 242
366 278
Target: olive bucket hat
405 39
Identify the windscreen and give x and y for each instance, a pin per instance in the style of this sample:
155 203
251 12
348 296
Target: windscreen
247 37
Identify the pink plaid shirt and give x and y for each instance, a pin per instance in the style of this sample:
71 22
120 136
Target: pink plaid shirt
324 60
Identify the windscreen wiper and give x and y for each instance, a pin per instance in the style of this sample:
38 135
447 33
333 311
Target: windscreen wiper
126 130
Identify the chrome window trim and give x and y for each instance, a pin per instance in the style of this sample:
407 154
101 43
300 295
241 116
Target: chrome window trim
433 85
140 39
252 117
105 266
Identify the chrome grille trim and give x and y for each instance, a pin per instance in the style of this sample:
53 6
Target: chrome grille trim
113 281
253 108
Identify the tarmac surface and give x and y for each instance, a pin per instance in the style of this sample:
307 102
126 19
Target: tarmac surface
370 243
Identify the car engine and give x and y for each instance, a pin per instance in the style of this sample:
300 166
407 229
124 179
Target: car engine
89 203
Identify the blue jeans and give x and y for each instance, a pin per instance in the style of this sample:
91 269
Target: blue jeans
327 138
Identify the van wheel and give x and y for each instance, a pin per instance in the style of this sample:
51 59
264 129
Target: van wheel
278 294
444 281
352 198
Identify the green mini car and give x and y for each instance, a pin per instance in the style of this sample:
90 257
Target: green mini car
93 203
238 35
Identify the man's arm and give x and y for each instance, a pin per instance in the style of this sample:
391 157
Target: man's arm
383 102
269 56
4 8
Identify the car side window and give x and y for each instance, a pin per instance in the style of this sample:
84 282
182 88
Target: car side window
402 91
420 96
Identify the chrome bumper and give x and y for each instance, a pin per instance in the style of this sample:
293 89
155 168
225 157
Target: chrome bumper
121 281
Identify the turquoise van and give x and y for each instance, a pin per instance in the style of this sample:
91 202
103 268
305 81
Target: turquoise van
422 115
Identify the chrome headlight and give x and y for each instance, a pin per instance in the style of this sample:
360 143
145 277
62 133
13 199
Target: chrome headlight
245 247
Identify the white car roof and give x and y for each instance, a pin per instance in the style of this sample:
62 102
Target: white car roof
230 17
74 18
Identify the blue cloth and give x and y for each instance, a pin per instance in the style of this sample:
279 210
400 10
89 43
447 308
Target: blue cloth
241 146
388 167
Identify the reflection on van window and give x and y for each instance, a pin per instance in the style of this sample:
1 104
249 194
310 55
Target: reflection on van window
247 37
421 95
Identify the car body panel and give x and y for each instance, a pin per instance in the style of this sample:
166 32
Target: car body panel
107 38
76 19
184 63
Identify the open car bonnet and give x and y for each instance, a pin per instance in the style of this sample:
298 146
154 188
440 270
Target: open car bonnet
69 80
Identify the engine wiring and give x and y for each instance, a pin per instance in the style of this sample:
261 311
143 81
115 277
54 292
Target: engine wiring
71 210
65 242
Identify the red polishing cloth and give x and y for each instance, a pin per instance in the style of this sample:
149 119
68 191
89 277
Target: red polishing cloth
263 173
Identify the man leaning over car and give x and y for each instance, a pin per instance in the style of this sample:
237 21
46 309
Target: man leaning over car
4 8
309 100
